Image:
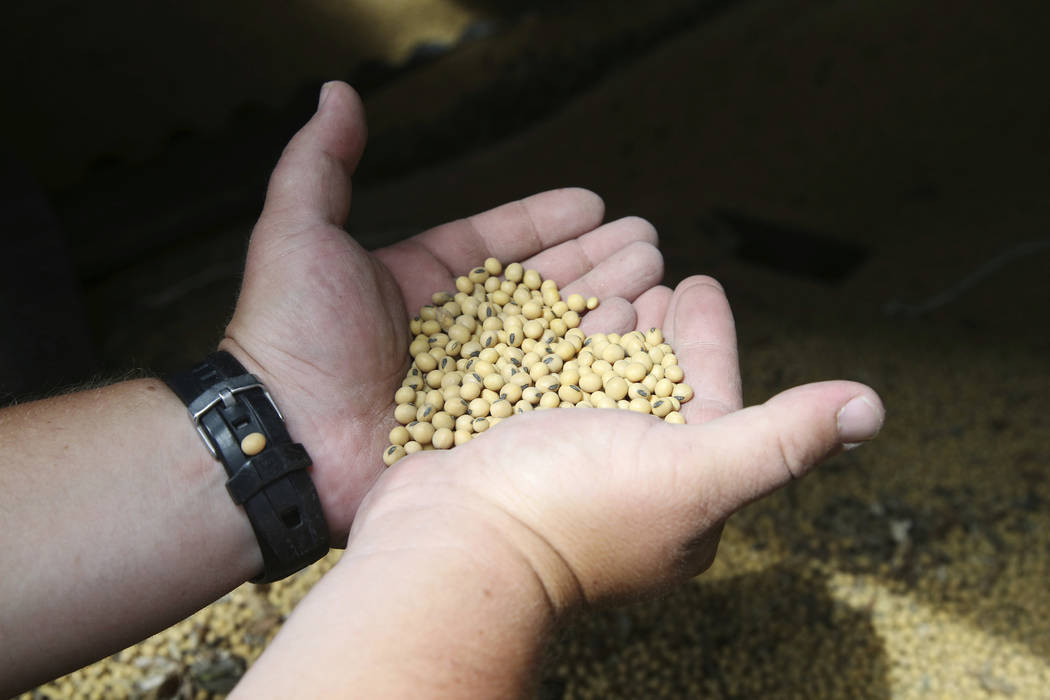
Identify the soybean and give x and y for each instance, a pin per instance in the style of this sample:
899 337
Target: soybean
496 347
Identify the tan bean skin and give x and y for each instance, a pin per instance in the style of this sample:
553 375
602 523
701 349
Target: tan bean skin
399 435
443 438
498 346
405 413
393 453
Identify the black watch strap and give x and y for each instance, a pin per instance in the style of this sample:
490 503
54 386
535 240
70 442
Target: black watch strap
242 427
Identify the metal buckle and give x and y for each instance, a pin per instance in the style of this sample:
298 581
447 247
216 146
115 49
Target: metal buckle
224 392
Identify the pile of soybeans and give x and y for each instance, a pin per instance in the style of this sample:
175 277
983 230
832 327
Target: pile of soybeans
502 346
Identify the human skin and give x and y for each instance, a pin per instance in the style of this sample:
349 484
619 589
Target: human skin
115 520
116 523
460 563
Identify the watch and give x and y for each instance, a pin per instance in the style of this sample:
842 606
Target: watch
242 427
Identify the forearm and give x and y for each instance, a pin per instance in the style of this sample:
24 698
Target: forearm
115 524
434 613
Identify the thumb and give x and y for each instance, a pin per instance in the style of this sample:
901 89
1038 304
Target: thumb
311 182
754 451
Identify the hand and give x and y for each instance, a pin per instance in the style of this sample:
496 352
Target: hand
544 511
324 323
607 504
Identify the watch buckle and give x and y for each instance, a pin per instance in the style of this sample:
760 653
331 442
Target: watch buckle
224 392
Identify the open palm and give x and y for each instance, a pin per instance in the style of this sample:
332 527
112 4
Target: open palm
601 503
323 322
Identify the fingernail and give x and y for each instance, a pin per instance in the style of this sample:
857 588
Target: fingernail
325 89
859 421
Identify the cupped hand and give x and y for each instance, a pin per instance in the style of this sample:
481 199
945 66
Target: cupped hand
324 323
607 504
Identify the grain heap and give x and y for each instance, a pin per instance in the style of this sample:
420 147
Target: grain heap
499 347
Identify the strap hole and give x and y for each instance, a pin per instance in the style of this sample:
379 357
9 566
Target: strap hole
291 518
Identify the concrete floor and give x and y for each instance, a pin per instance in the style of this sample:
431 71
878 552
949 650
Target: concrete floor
906 143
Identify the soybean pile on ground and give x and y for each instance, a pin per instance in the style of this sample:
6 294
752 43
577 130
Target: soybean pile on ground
502 346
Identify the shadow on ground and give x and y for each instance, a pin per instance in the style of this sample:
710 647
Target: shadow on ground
776 633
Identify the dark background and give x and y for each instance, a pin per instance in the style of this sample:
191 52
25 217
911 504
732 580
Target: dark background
868 179
140 142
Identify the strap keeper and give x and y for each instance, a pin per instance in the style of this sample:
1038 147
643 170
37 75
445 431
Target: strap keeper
265 468
223 392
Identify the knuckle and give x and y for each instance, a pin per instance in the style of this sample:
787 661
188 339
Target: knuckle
793 455
645 230
706 281
646 256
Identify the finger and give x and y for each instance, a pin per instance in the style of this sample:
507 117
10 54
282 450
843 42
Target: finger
699 326
512 232
749 453
615 315
576 257
651 307
626 273
311 182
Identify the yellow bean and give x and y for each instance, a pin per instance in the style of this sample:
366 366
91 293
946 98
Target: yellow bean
497 347
493 266
443 438
441 419
531 279
501 409
405 413
634 372
640 405
616 388
393 453
421 432
253 444
514 272
549 400
612 352
661 407
571 393
399 435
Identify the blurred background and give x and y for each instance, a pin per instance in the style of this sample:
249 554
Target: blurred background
868 179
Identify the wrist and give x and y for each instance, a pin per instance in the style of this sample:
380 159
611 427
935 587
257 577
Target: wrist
241 426
201 475
427 601
469 615
416 504
342 427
